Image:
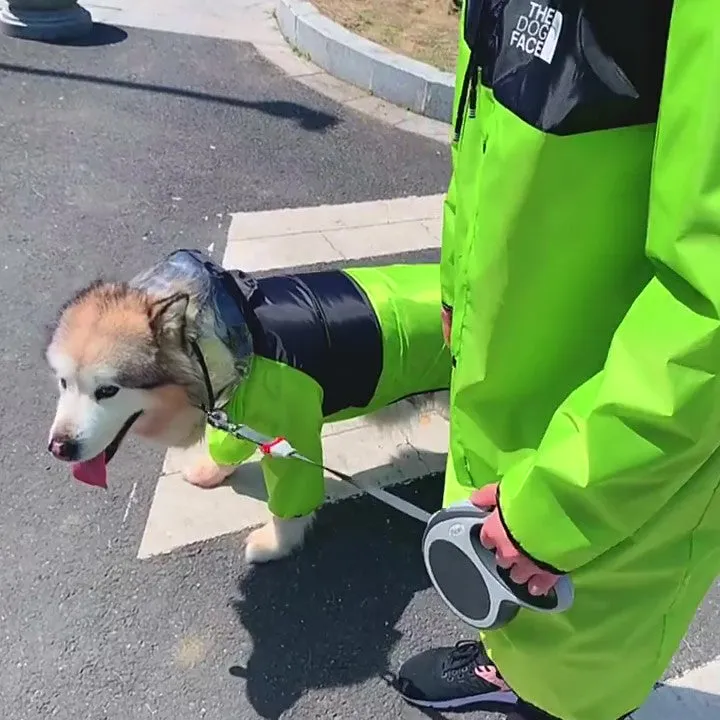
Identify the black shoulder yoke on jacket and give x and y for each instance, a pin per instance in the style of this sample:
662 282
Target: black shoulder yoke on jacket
321 323
568 66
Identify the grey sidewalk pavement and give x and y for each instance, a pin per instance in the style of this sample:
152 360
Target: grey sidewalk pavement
255 21
403 81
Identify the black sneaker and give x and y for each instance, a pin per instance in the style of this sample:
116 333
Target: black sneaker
457 677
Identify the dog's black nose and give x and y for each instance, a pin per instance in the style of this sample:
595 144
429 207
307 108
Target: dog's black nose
64 448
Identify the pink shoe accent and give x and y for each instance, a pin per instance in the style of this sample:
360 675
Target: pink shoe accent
489 674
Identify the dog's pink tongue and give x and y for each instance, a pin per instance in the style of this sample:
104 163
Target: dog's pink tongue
92 472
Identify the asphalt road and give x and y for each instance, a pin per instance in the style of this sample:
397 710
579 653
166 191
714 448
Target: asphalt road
109 157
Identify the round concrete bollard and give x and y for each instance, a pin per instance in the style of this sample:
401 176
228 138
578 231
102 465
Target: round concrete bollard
49 20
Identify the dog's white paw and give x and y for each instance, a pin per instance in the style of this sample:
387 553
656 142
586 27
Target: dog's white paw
277 539
206 473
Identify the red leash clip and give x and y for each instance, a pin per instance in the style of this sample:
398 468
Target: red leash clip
279 447
267 448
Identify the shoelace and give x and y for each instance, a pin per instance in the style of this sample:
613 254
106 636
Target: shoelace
464 653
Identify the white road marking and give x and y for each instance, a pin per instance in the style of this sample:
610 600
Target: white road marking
332 233
377 455
692 696
130 501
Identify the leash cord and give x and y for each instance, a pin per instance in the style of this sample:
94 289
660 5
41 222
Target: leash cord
279 447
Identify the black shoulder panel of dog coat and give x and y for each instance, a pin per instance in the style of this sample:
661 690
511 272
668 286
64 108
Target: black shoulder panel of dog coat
321 323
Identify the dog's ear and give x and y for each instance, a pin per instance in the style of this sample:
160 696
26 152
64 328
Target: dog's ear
168 315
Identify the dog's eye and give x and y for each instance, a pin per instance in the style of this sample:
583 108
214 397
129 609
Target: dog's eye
106 391
63 383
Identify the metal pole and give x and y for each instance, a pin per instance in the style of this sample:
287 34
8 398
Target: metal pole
49 20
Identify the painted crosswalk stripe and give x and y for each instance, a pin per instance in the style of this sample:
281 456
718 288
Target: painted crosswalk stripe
181 514
291 237
692 696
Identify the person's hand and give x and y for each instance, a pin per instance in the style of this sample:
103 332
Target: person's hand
446 315
493 536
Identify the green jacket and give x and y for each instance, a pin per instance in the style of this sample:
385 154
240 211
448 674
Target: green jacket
581 256
328 346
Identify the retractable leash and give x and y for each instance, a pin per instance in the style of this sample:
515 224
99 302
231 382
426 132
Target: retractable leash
451 547
281 448
464 573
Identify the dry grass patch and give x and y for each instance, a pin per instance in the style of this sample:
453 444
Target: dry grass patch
422 29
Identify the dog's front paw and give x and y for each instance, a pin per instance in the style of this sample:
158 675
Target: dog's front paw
276 539
206 473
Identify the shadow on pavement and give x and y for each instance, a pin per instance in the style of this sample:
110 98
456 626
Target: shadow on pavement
100 35
326 617
306 118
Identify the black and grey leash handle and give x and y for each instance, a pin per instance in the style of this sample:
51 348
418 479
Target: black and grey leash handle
452 550
279 447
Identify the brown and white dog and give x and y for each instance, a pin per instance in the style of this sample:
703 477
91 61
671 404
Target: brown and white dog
120 360
122 356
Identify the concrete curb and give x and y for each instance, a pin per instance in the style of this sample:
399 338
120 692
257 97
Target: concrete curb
411 84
